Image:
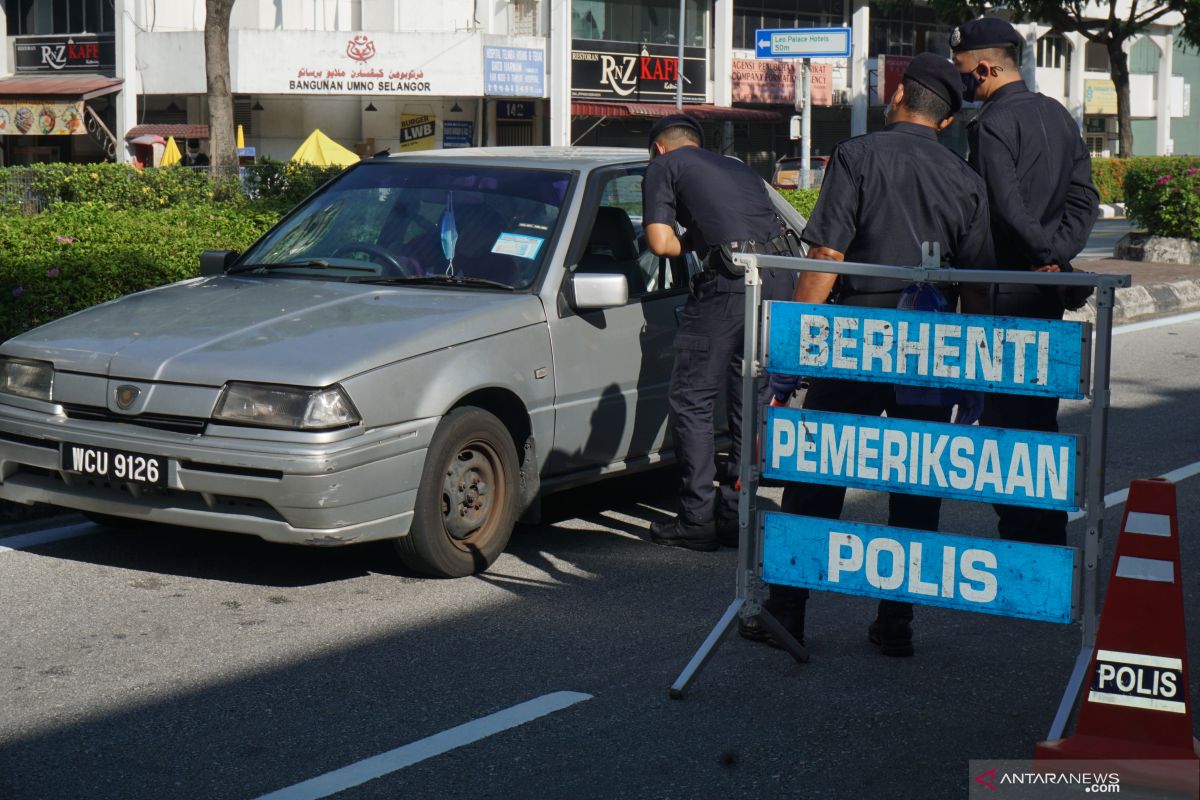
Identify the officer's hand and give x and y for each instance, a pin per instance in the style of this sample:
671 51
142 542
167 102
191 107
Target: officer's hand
969 409
1048 268
782 388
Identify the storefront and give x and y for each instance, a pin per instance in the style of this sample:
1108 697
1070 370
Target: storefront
59 104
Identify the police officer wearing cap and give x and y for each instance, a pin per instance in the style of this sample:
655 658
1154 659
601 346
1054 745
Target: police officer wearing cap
720 202
1029 152
883 195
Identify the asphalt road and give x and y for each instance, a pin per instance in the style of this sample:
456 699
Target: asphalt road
1105 235
147 664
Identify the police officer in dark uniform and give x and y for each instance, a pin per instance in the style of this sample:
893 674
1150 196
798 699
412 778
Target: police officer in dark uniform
1029 152
720 201
883 195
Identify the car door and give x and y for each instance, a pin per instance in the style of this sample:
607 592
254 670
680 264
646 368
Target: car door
612 366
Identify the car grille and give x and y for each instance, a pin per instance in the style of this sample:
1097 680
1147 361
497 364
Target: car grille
163 422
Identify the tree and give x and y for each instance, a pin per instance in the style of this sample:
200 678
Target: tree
1111 23
220 95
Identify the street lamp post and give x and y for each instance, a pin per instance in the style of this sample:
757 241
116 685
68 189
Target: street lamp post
679 70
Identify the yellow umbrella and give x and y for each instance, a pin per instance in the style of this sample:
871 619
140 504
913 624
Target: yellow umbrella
170 154
319 149
241 138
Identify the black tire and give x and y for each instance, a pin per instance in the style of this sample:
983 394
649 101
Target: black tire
466 501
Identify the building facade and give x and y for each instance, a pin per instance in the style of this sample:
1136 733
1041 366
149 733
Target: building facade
88 80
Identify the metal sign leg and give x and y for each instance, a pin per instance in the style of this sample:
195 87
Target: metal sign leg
1071 695
710 645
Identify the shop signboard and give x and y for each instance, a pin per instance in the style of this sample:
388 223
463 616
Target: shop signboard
416 131
514 71
39 118
75 53
755 81
1099 97
457 133
604 70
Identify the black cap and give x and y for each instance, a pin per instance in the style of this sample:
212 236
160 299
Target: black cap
675 121
985 32
939 75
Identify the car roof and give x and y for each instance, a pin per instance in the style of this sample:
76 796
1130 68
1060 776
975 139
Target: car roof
572 158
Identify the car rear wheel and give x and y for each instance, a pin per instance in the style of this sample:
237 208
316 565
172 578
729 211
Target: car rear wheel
466 500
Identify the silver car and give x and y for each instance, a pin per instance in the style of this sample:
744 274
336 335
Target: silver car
417 352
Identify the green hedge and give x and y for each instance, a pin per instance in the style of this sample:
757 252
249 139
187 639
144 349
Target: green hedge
1163 195
78 254
802 200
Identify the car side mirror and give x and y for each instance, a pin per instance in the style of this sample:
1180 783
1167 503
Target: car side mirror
216 262
590 290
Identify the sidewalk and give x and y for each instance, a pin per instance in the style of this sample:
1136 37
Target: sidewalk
1157 289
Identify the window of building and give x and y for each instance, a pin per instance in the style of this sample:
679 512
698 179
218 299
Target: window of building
751 15
1052 51
42 17
650 21
1143 57
523 18
1095 58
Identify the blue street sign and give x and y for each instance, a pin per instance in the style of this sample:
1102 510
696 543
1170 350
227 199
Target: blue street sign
802 43
992 576
992 465
925 348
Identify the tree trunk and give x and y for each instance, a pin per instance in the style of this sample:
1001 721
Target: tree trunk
220 97
1118 61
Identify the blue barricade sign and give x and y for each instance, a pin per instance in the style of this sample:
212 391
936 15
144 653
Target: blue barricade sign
925 348
994 465
1012 579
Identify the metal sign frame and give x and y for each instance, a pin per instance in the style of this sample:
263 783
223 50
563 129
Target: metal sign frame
750 589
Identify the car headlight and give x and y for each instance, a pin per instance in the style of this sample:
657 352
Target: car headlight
26 378
286 407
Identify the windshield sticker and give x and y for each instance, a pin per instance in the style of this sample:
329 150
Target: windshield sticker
517 244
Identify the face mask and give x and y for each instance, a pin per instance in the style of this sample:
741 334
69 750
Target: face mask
970 82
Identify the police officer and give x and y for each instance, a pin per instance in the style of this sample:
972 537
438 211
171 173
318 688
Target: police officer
883 195
1029 152
720 201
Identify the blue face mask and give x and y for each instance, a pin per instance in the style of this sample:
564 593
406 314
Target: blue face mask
970 82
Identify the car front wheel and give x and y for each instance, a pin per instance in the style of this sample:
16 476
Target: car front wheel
466 500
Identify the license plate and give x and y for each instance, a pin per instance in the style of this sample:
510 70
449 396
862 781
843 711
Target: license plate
116 465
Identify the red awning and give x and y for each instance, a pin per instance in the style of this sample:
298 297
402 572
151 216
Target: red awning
596 108
178 130
82 87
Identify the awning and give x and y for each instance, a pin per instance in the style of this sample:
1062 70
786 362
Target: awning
83 87
595 108
164 130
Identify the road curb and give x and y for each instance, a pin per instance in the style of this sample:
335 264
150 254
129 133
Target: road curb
1146 300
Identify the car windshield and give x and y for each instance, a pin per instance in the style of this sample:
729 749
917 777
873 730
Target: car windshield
409 221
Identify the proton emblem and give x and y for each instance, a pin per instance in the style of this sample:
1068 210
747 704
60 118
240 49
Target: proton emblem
126 395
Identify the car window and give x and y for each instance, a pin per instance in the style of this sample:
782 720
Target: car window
405 219
616 242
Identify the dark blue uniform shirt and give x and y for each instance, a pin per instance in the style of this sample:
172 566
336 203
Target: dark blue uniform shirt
716 198
1038 172
885 193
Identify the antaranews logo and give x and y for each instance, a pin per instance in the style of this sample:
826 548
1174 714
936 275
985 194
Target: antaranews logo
1035 780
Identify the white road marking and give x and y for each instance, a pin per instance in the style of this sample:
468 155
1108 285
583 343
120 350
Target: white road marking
24 540
377 766
1161 322
1118 497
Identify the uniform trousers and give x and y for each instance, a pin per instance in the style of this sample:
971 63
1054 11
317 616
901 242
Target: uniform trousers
819 500
1041 526
708 361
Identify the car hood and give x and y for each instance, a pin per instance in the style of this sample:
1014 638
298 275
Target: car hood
269 329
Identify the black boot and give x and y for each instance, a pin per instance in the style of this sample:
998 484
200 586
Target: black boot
681 533
787 605
892 629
